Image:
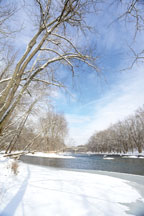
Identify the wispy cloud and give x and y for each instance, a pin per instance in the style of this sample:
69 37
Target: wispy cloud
122 100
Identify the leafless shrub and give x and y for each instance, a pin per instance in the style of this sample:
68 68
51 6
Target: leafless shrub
14 167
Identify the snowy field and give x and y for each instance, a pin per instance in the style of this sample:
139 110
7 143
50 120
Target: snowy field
44 191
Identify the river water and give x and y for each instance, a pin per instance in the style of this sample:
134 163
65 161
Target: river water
113 163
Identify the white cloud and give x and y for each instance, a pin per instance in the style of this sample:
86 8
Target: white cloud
117 104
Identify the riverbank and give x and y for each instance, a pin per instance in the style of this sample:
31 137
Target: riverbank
71 155
106 155
37 190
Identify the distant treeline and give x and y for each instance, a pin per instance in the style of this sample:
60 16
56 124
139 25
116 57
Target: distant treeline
124 136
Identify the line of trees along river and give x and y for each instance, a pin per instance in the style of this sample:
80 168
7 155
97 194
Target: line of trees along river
124 136
48 134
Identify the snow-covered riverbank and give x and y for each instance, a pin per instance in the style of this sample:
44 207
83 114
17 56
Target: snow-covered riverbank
71 155
51 155
46 191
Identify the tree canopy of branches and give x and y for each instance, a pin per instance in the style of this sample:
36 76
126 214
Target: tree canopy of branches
50 45
7 10
132 15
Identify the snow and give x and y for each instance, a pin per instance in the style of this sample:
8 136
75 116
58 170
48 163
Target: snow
129 153
133 156
49 191
51 155
130 156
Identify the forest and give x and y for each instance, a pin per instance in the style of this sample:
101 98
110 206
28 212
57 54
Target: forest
122 137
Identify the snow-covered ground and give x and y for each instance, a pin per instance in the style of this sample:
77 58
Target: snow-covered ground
51 155
133 156
43 191
68 155
107 155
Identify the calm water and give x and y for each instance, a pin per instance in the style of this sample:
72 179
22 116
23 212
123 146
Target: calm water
91 162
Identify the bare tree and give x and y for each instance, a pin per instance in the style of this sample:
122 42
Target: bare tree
124 136
53 131
7 10
131 14
50 45
12 143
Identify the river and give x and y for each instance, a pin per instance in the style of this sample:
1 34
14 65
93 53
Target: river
112 163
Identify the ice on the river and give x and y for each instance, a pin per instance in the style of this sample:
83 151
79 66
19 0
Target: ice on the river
43 191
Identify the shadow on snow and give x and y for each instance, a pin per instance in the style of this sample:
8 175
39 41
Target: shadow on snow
10 209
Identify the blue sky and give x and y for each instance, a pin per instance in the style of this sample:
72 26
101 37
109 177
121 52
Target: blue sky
100 104
98 100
